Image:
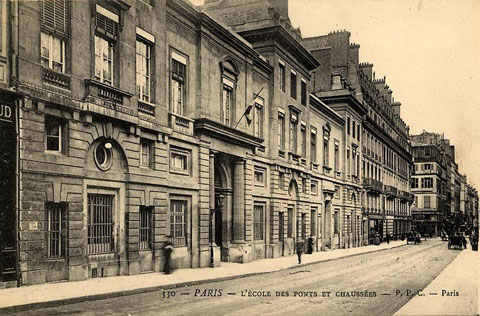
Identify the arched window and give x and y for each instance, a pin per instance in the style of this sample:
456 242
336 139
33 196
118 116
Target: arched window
229 83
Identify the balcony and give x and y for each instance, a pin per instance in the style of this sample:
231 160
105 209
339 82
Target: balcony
404 195
372 185
146 107
391 191
181 124
107 96
327 169
56 79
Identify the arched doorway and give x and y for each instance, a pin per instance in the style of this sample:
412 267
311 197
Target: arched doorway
222 216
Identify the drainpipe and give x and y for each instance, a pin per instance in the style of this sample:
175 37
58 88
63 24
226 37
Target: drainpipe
13 47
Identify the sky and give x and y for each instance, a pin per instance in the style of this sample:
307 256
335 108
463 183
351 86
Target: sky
429 51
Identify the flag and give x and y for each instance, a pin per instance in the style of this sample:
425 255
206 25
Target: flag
247 114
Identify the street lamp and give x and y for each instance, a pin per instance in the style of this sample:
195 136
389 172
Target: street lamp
219 206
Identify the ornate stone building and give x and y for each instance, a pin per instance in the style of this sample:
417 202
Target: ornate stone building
140 121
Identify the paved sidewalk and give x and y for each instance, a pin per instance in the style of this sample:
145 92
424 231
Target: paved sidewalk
54 294
461 277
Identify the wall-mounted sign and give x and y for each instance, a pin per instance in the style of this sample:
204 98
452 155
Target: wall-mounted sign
6 113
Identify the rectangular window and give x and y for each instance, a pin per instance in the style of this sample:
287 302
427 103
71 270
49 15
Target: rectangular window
178 223
337 192
303 226
336 224
414 183
227 101
103 60
325 152
358 131
313 145
303 135
100 223
178 81
353 129
281 67
290 223
349 226
313 222
179 161
293 84
259 103
303 92
427 166
348 162
56 228
53 134
143 70
336 156
304 185
426 201
146 224
52 52
281 180
427 183
348 125
293 133
146 153
314 187
259 176
281 131
258 221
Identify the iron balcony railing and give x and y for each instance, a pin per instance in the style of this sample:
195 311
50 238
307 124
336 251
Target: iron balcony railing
372 185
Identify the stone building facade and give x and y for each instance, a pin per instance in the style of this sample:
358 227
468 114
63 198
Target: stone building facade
138 121
429 184
376 136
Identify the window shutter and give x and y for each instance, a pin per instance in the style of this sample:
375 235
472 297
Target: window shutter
56 16
106 26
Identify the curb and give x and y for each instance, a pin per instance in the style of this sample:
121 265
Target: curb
80 299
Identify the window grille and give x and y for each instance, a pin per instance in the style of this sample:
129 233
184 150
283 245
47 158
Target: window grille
56 16
146 224
56 229
100 223
290 223
178 224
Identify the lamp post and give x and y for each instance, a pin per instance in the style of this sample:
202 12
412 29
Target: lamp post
218 206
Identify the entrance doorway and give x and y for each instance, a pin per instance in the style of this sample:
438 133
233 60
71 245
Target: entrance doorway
8 252
281 232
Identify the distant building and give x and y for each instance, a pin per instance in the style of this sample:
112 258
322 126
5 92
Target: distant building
377 150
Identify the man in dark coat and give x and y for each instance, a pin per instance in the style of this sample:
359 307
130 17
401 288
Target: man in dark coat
168 250
300 250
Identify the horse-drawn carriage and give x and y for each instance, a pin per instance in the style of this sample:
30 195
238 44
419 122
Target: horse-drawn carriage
455 241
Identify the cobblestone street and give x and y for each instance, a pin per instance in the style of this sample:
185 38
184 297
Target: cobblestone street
381 282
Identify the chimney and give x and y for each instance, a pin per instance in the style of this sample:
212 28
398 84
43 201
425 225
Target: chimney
396 107
280 7
367 69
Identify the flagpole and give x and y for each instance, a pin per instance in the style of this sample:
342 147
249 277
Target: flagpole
254 97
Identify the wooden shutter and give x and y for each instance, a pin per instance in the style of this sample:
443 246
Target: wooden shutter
106 26
56 16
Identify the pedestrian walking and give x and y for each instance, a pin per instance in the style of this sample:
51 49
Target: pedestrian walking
300 245
388 238
168 250
464 241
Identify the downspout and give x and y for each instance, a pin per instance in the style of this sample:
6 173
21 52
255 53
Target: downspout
14 43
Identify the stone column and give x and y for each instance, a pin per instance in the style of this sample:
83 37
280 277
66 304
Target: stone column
239 202
212 179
